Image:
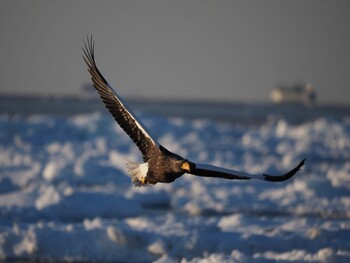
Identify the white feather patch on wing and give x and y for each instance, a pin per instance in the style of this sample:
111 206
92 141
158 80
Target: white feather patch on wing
137 172
228 171
138 122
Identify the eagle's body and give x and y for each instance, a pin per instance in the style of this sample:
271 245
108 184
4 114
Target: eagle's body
160 165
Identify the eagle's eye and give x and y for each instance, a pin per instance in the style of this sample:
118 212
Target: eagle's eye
185 166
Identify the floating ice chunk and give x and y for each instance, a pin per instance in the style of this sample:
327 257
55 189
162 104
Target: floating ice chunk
166 259
238 256
281 128
92 224
86 121
115 235
339 177
28 244
157 248
324 254
230 222
53 169
235 256
53 148
48 197
18 141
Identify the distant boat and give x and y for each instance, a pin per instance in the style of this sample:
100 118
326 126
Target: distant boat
303 94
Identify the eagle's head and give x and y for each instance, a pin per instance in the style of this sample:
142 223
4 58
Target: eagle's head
187 166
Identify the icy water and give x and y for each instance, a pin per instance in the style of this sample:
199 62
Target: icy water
65 194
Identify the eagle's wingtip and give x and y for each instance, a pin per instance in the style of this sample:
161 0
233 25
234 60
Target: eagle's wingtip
286 176
301 164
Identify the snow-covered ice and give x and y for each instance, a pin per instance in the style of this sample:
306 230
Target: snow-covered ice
65 194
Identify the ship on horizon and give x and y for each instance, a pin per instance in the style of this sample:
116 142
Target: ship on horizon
298 94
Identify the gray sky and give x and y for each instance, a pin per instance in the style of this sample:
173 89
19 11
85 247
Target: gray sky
215 50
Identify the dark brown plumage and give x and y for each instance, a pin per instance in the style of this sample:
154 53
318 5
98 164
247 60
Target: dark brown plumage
160 165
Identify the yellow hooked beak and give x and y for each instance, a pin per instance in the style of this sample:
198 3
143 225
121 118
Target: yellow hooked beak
185 166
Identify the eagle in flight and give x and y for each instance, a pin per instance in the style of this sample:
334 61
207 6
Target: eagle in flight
160 165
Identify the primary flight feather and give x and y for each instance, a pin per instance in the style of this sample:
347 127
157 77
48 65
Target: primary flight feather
160 165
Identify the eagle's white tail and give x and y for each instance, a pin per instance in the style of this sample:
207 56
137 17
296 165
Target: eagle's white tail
137 172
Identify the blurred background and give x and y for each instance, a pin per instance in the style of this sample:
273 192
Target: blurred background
254 86
193 50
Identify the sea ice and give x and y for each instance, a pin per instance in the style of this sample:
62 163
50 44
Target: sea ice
65 194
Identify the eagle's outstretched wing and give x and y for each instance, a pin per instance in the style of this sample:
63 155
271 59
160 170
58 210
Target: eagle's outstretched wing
214 171
117 107
146 144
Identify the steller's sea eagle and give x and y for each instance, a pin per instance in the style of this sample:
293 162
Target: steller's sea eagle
160 165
